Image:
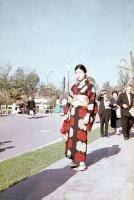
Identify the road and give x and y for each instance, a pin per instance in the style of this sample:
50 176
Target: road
18 134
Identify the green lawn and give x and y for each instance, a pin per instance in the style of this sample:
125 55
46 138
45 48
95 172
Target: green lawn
16 169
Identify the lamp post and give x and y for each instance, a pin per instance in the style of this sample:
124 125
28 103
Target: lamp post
48 77
132 68
68 75
64 86
132 64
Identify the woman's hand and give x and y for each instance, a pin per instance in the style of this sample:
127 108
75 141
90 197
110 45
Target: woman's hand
125 106
65 137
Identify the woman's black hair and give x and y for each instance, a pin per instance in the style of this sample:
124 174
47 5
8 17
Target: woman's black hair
114 92
82 67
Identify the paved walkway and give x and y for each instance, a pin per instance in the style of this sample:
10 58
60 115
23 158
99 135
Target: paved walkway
110 176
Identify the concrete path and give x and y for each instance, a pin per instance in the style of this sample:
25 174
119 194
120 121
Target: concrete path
109 176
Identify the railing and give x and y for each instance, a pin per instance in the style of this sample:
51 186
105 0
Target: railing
8 109
4 110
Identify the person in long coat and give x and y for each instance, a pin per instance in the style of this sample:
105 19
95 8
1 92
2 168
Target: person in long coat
104 112
80 112
126 102
31 107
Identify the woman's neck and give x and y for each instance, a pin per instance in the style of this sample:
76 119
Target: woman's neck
79 81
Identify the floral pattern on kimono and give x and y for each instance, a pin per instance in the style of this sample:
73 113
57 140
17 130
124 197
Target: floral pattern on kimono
76 138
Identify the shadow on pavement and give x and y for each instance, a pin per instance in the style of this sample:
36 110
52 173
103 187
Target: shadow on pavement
37 117
1 143
4 149
39 185
8 115
99 154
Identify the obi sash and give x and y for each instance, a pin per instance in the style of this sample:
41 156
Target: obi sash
80 100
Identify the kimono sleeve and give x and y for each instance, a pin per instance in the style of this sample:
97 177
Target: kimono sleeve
66 108
92 107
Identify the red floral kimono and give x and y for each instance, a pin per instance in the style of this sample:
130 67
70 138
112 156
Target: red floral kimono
76 136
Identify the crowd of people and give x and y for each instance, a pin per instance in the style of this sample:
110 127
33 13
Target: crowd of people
30 108
109 110
117 110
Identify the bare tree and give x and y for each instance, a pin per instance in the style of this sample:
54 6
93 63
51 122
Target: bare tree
124 76
32 81
5 77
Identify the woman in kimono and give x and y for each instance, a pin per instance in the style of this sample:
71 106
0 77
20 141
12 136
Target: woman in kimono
80 112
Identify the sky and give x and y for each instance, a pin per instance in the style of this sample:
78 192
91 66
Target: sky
50 35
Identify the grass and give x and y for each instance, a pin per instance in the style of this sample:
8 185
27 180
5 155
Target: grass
18 168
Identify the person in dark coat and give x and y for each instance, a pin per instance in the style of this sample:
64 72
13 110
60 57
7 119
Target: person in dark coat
31 107
104 112
115 113
126 102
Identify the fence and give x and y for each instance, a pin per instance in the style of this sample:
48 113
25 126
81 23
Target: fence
5 109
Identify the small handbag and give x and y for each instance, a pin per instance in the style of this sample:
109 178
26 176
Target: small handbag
118 113
131 111
65 127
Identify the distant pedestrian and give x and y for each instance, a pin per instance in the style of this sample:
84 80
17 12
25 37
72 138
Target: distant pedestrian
41 108
126 102
79 117
31 107
58 105
14 108
115 113
21 107
64 103
104 112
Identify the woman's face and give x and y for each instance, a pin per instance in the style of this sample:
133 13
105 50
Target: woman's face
115 95
80 74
